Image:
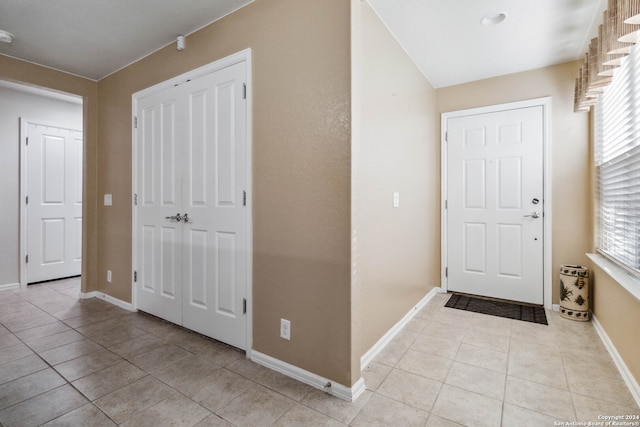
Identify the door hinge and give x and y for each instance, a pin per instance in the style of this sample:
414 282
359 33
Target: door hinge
446 272
446 204
244 91
244 306
446 136
135 199
135 122
135 276
26 200
244 198
27 140
27 259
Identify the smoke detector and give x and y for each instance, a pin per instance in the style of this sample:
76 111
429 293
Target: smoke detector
6 37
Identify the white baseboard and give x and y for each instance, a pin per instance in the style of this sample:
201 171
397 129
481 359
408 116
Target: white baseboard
9 286
108 298
628 378
391 333
88 295
349 394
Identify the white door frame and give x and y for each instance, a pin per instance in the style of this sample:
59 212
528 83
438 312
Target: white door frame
545 103
239 57
24 123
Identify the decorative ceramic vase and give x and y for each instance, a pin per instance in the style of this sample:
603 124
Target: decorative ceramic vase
574 292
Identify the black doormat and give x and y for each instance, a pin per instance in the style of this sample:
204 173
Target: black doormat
528 313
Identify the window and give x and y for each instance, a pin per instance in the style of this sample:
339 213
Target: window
617 144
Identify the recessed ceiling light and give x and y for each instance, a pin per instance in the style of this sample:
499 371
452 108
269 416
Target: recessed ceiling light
493 19
6 37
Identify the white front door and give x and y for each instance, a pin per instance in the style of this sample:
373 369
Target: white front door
54 207
495 204
192 221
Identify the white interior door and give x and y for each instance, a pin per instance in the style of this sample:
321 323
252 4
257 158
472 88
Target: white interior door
192 223
215 251
161 125
496 204
54 208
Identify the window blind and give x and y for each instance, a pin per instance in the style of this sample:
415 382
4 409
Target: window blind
617 148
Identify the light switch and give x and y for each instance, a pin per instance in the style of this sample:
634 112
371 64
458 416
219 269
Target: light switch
396 199
107 200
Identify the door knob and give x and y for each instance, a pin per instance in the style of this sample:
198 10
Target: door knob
185 218
534 215
176 217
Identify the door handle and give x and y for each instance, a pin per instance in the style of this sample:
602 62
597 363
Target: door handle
533 215
176 217
186 218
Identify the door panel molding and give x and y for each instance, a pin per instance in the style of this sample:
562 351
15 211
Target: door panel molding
509 135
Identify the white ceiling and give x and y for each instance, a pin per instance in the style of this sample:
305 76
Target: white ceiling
450 46
94 38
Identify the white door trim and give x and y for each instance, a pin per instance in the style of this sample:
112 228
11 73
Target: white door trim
24 123
545 103
23 205
239 57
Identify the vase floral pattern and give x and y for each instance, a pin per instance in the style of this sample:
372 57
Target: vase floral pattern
574 292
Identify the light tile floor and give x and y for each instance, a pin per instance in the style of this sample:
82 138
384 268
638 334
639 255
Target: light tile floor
68 362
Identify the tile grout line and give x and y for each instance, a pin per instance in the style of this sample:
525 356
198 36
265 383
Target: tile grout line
50 366
566 374
148 373
506 377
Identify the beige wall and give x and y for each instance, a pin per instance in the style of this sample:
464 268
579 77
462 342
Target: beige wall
396 251
570 171
34 75
619 314
301 171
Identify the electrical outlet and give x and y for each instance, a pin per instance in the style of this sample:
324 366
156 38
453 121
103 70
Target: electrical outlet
109 276
285 329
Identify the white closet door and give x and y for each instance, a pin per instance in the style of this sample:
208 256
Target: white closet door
191 165
215 252
54 211
161 122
